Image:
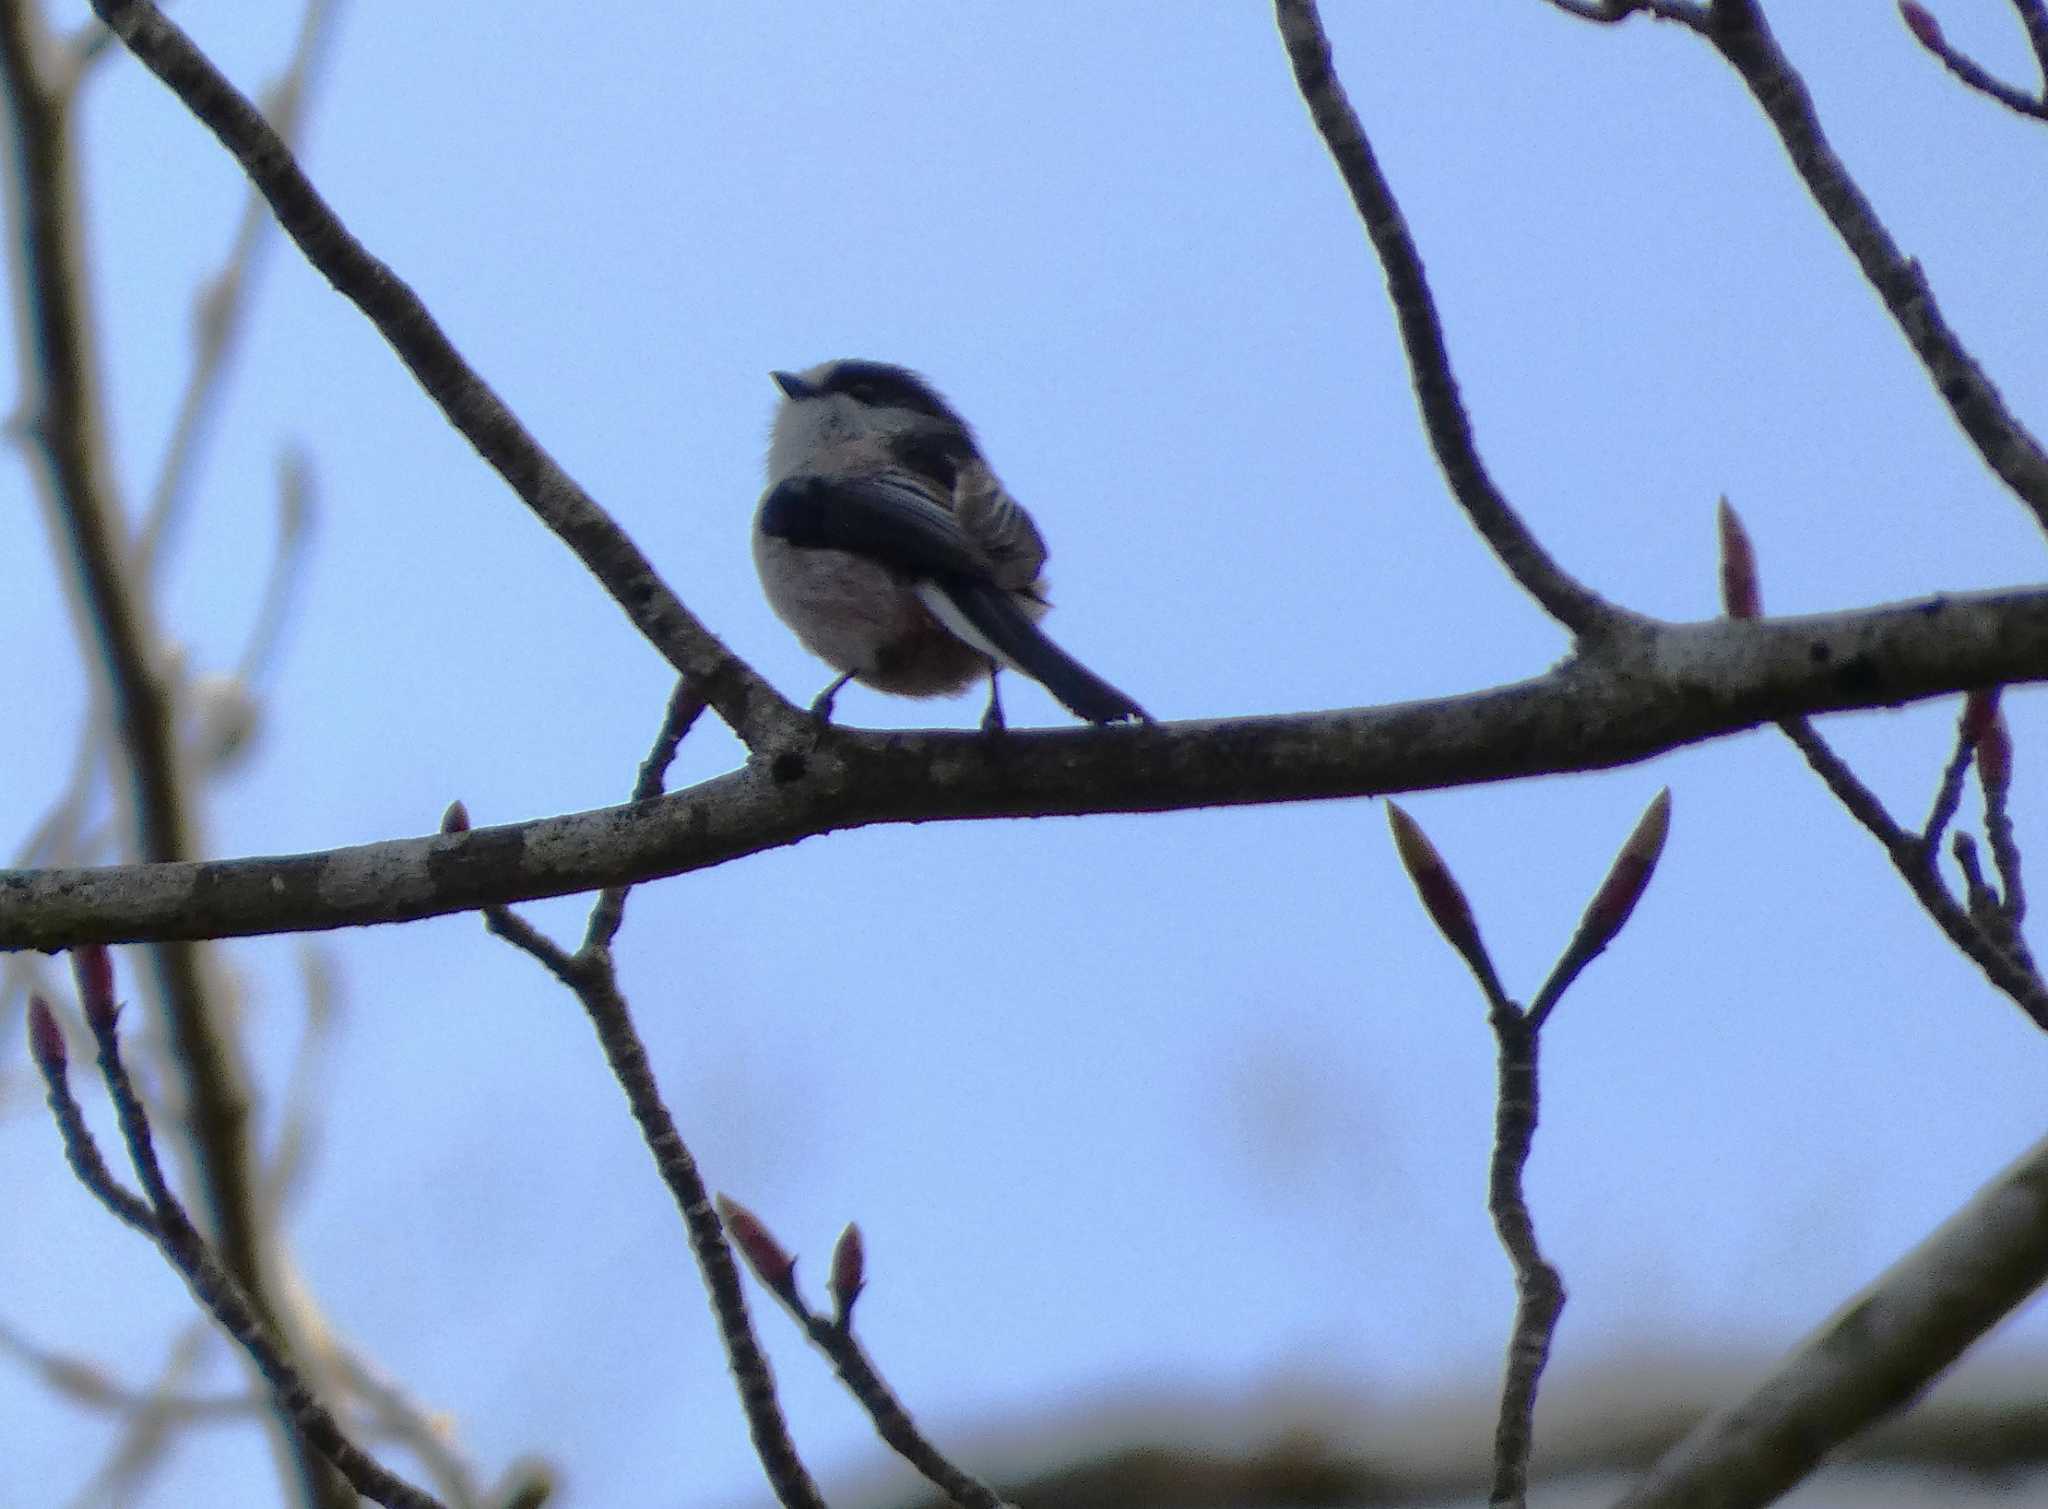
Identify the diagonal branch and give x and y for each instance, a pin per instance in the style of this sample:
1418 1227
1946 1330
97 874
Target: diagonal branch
1914 858
1927 32
222 307
592 977
753 709
1738 29
1878 1353
1572 604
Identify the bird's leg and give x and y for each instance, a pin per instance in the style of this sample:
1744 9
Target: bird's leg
821 705
992 720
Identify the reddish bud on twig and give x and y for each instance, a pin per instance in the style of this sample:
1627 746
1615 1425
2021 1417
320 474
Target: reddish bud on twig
1441 895
46 1038
1921 23
1741 597
93 967
1629 877
771 1263
849 1270
1979 708
1994 754
455 819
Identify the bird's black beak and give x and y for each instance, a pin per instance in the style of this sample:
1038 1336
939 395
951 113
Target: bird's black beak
792 385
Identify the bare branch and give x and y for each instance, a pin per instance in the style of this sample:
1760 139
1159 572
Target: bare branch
1915 863
592 977
1738 29
685 705
1539 1291
167 1224
1978 709
1572 604
595 984
1927 32
223 302
747 703
1686 683
63 395
1872 1357
834 1337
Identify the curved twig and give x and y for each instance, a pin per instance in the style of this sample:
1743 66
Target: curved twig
1738 30
1572 604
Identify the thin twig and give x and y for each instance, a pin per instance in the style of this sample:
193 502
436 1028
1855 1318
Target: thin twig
1948 792
63 393
1927 31
748 704
222 308
397 1416
1739 31
2034 16
685 705
1539 1291
833 1336
592 977
1915 864
1572 604
296 502
223 1298
154 1422
80 1150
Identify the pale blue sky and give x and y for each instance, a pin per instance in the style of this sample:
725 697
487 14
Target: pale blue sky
1189 1102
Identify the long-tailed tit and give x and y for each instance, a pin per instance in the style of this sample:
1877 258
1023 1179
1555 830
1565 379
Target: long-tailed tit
886 542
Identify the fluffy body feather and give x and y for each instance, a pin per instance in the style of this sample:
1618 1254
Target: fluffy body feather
890 547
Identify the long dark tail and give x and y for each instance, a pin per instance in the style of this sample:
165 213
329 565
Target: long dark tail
1002 621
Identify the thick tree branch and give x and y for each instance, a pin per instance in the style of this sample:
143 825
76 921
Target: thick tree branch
1571 603
1876 1355
1680 684
753 708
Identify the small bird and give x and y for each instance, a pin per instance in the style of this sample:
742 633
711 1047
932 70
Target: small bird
886 542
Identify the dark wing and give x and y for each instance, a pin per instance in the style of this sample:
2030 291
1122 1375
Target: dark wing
885 518
999 619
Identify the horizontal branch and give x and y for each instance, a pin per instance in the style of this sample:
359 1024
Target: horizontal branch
1655 690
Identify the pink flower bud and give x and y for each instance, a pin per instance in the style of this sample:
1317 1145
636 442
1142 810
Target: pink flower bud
849 1268
45 1038
1629 876
1921 23
771 1263
93 967
1741 597
1994 756
1441 895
